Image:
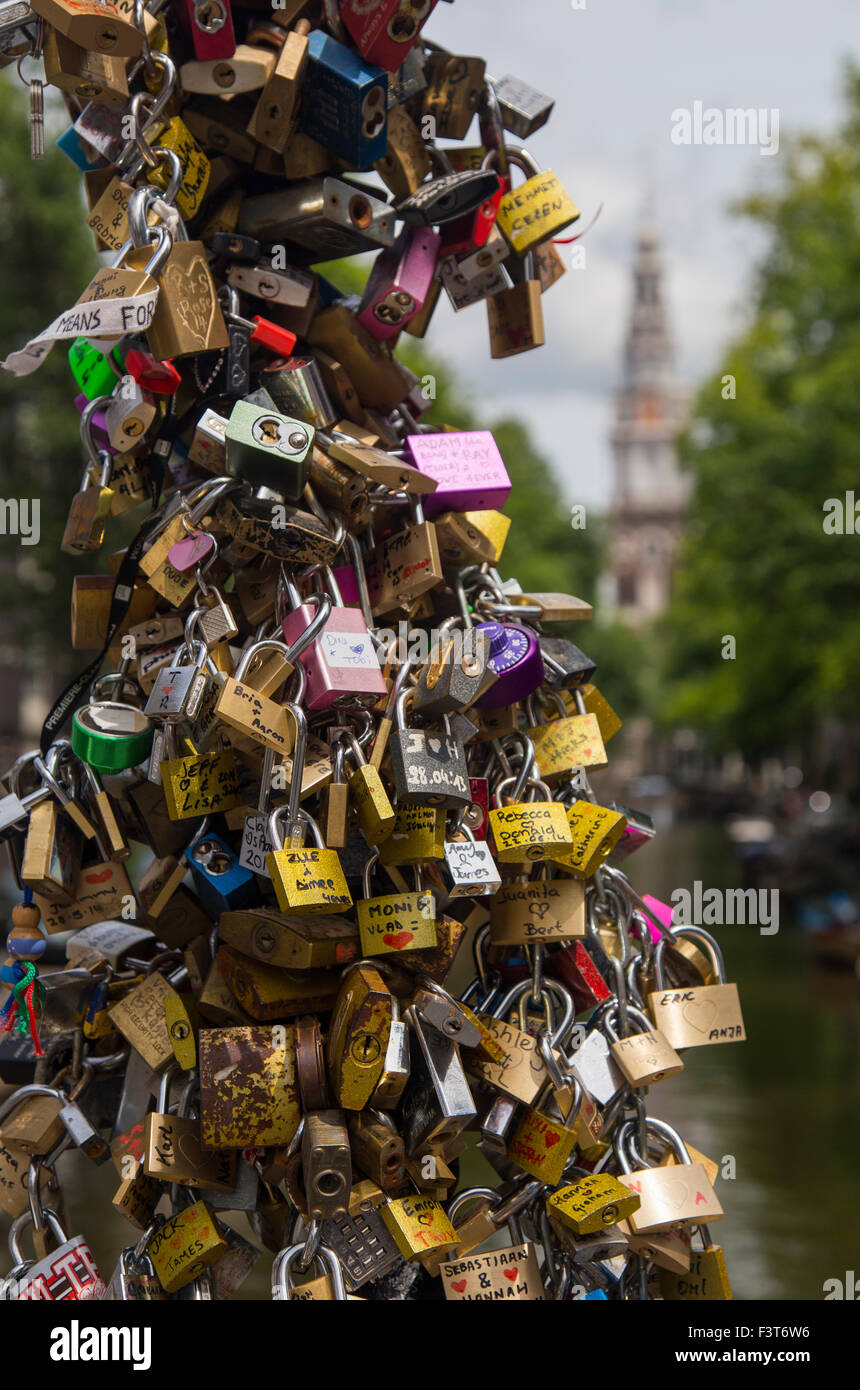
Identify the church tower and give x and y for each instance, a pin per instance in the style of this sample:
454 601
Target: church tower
650 492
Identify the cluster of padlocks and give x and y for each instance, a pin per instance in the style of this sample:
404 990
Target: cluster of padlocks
356 752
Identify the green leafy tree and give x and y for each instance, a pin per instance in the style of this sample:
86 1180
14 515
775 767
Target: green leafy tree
775 435
48 257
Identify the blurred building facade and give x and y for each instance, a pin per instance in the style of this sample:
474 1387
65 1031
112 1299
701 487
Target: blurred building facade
650 493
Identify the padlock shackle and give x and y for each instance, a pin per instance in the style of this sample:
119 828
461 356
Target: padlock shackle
698 934
19 1225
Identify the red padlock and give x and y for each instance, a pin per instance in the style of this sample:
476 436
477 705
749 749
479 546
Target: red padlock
160 377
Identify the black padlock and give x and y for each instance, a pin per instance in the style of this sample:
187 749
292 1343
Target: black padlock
448 197
428 765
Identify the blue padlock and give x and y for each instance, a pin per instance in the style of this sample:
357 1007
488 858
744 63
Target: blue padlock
221 882
344 102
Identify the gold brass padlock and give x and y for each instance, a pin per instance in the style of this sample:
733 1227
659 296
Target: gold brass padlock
358 1036
696 1017
185 1246
683 1198
592 1203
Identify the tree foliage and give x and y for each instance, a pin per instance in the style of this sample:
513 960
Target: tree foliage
48 258
767 454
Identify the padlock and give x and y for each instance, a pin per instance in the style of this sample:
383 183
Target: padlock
700 1015
172 1148
305 880
394 922
208 25
418 834
274 118
378 1149
85 74
454 673
266 449
129 415
326 1163
385 30
358 1036
471 866
453 93
536 210
68 1272
101 27
542 909
399 282
684 1198
329 1288
343 103
523 109
592 1203
516 660
242 707
376 815
248 1087
89 510
188 317
185 1246
567 743
342 659
397 1067
527 830
429 766
644 1057
707 1278
247 69
181 686
222 883
515 314
595 830
418 1225
327 215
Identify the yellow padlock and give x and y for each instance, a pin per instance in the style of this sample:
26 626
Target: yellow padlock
538 209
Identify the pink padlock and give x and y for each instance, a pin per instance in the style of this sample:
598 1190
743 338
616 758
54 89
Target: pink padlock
662 911
208 25
467 466
342 660
399 282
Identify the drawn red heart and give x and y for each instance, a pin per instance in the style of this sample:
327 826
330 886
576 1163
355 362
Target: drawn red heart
549 1139
398 939
458 1285
511 1273
99 878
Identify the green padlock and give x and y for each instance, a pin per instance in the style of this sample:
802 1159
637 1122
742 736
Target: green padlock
110 735
93 371
267 449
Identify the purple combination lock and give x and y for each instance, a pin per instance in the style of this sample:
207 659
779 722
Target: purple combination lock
467 466
399 282
516 658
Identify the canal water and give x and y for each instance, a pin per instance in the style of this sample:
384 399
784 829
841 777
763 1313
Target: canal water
780 1111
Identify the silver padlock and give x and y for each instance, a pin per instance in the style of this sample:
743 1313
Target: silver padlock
288 285
596 1069
331 217
439 1103
179 688
208 446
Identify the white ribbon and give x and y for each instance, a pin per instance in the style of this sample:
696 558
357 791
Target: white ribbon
105 317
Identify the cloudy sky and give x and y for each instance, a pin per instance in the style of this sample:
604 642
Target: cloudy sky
618 69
